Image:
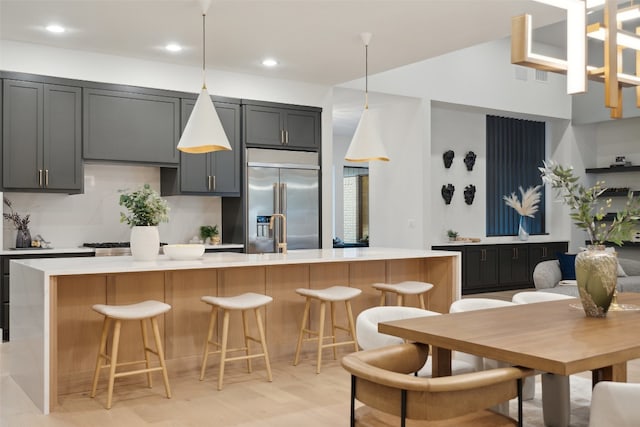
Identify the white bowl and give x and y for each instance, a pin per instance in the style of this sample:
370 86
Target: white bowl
182 252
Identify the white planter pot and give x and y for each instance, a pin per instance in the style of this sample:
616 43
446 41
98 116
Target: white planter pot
145 243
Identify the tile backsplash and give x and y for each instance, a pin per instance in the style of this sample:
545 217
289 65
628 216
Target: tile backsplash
70 220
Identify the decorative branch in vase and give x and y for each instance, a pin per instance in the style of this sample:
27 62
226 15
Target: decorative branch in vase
21 224
526 207
596 268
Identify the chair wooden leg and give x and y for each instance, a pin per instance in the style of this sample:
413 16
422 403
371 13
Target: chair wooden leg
245 329
223 350
263 341
145 346
205 355
382 298
101 351
421 298
333 329
114 361
305 318
160 350
320 335
352 325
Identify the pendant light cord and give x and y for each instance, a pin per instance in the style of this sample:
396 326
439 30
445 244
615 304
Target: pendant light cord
204 50
366 76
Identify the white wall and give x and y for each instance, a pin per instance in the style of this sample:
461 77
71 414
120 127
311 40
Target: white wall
36 59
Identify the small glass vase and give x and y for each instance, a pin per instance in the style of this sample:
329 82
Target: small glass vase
597 276
523 228
23 238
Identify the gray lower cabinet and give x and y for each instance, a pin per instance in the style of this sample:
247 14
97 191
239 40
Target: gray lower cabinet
130 127
216 173
42 130
279 127
4 285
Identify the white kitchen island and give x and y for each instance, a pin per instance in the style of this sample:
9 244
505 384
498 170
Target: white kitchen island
55 332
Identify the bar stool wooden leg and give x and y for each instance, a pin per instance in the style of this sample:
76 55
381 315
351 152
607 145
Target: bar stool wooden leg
160 350
421 298
305 318
245 329
383 299
352 325
212 324
145 346
333 330
106 323
263 341
400 299
323 307
113 361
223 350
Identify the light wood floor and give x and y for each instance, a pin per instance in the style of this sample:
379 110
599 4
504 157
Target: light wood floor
296 397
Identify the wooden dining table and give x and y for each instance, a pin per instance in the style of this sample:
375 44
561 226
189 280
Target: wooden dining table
553 337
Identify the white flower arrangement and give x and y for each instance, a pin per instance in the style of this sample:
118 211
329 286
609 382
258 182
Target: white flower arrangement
529 204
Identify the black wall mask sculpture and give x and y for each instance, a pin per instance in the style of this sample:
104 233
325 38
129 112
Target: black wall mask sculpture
447 193
469 194
447 158
470 160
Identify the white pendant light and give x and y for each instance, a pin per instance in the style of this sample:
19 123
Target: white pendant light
204 132
366 144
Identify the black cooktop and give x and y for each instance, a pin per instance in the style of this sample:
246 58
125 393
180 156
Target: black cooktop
111 245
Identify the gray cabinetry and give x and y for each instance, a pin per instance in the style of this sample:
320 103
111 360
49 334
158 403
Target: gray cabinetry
216 173
42 127
130 127
291 128
4 284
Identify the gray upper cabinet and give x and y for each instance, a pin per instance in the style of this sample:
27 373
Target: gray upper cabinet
281 127
42 129
216 173
130 127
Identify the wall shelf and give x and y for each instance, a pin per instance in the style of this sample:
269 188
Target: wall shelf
614 169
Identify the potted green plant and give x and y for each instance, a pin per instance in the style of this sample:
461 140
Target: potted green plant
210 232
146 210
596 268
453 235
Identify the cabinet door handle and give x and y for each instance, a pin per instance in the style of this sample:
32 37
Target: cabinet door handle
286 137
282 136
483 256
46 178
213 187
208 182
39 177
544 251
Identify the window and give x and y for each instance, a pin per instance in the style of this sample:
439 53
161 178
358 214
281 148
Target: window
356 204
515 150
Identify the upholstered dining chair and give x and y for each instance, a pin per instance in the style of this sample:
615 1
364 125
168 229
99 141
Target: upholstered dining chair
381 380
369 338
615 404
556 389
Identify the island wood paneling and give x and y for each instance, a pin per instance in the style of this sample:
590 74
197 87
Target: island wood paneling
74 342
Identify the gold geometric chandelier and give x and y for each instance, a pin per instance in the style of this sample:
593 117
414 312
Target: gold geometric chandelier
610 31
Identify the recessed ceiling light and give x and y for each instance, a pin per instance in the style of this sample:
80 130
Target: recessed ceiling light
55 28
269 62
173 47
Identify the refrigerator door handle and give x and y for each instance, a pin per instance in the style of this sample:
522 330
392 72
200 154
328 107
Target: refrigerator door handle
283 198
276 209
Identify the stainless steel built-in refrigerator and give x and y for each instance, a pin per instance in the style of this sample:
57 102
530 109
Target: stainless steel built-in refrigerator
286 182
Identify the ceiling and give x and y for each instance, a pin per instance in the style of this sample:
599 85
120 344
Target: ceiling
316 41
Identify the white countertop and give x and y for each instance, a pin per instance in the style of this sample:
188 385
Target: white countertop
119 264
75 250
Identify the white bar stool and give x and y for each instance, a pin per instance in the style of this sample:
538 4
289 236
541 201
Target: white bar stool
243 302
141 311
331 295
402 289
